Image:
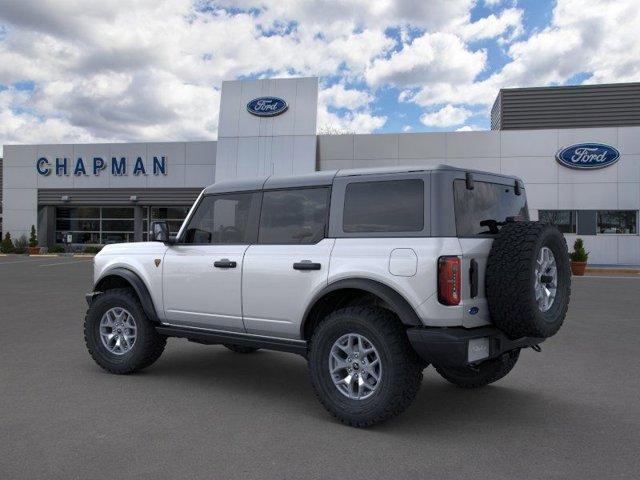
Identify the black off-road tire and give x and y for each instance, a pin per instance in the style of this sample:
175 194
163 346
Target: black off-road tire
148 346
240 348
483 374
401 373
510 280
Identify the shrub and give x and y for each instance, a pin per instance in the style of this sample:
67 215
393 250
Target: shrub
20 245
57 248
33 238
579 254
92 249
7 245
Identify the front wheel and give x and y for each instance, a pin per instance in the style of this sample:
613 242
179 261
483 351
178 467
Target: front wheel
119 336
362 367
483 374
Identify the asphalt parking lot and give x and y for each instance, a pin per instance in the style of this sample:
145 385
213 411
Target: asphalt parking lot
203 412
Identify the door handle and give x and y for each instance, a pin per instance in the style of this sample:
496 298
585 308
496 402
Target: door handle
473 278
306 265
224 263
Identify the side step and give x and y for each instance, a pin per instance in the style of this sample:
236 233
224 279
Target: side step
214 337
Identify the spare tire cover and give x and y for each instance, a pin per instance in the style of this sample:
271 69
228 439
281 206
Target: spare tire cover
528 280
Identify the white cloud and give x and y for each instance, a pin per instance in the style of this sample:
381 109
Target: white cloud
447 116
407 128
469 128
340 97
508 22
433 57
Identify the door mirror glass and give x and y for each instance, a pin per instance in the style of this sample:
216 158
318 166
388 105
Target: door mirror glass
160 231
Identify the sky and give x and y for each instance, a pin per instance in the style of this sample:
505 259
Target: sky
77 71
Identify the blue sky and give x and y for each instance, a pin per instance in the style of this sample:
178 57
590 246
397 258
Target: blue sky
77 71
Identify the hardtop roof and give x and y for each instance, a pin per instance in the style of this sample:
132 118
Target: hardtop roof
326 177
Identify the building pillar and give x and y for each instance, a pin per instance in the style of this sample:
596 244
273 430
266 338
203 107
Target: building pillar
46 226
138 217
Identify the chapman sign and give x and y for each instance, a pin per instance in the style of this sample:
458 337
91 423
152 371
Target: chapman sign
267 106
118 166
588 156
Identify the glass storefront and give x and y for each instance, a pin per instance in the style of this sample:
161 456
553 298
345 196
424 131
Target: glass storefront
174 216
94 225
104 225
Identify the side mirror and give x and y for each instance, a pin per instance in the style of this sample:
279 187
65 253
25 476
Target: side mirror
160 232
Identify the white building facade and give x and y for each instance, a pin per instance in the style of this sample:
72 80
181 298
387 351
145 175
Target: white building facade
103 193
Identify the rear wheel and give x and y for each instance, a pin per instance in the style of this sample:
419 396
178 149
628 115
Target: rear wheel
362 367
240 348
118 334
483 374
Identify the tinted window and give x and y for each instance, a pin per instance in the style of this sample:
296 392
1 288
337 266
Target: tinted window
390 206
294 216
220 219
481 211
565 220
617 221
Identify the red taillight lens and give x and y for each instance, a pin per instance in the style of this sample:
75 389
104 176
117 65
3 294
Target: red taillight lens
449 280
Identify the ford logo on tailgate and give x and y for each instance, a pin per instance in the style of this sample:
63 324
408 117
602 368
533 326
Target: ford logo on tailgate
588 156
267 106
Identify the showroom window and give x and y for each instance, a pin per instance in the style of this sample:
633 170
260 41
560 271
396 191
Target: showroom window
94 225
618 222
174 216
294 216
565 220
387 206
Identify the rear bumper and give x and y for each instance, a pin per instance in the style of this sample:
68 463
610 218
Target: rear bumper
459 347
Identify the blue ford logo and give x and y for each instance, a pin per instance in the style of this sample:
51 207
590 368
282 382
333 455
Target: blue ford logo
267 106
588 156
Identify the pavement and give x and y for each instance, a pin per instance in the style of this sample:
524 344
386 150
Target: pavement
203 412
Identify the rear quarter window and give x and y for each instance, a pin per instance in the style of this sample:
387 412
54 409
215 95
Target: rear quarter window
481 211
384 206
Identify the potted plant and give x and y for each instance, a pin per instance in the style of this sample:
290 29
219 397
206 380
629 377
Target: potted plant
579 258
7 244
33 249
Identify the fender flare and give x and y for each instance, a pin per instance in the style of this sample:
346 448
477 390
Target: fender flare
391 297
139 287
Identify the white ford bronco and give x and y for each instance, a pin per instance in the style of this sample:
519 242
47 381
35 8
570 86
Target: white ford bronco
371 275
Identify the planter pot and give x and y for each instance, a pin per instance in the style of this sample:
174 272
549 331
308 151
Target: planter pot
33 250
578 268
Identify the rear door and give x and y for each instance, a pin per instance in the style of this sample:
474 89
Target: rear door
479 213
289 263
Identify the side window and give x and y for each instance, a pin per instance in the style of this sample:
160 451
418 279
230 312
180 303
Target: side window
294 216
384 206
220 219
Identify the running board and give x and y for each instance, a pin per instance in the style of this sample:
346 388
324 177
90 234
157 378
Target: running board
215 337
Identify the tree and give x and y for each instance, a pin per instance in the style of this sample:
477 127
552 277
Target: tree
33 238
7 244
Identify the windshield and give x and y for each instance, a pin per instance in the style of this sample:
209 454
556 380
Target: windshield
484 209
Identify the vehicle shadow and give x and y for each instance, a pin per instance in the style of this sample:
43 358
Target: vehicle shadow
283 379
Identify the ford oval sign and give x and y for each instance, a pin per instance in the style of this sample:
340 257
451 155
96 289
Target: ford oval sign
267 106
588 156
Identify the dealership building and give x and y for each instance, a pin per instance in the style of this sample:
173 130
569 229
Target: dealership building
576 148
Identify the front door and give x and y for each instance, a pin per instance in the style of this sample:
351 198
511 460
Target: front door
202 273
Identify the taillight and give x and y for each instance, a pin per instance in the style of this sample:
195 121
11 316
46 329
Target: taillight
449 280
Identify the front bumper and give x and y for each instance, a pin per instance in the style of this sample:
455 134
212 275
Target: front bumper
459 347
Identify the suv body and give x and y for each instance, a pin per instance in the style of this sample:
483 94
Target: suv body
260 263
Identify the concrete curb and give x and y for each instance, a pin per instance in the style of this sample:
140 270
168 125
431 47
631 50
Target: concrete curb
612 271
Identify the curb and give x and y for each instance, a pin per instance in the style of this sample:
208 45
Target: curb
613 271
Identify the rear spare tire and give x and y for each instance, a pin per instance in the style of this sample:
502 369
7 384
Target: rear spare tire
528 280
